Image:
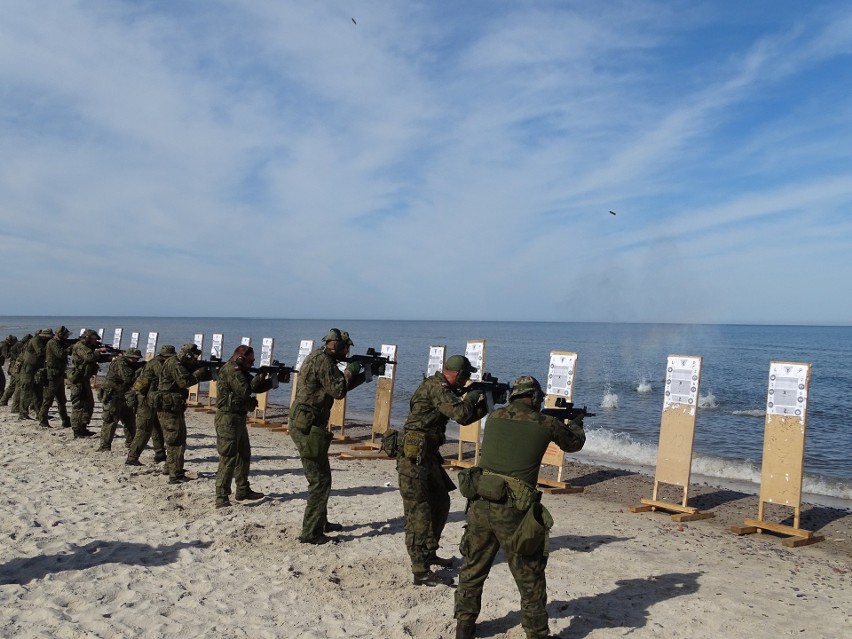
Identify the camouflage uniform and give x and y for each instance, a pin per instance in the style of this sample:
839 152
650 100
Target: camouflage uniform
5 353
119 380
234 387
320 383
84 365
172 393
13 389
516 437
31 372
55 363
147 422
424 485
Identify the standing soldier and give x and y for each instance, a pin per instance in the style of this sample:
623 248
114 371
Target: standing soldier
13 388
172 392
5 353
423 483
320 383
119 380
505 510
55 363
31 373
234 387
147 422
86 354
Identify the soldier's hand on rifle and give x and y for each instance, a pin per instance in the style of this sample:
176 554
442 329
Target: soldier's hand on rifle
353 368
474 396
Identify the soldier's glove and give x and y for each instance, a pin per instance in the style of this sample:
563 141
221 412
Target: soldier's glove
577 420
474 396
354 368
251 403
274 379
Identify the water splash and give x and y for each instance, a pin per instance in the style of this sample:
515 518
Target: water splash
644 386
610 399
707 401
754 412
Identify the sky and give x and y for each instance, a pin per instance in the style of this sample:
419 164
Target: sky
428 160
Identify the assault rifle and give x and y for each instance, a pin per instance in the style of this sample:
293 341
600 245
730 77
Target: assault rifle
565 410
276 368
373 363
495 392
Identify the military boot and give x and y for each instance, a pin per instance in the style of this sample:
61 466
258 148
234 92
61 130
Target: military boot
44 423
465 629
66 421
431 579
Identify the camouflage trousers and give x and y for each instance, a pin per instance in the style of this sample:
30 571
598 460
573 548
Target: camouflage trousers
490 526
10 389
82 405
232 444
116 410
29 393
174 434
318 474
147 428
54 389
425 490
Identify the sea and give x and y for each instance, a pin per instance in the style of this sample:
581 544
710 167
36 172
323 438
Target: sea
620 377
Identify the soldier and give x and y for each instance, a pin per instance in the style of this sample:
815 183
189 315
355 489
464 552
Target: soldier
119 380
55 363
320 383
86 354
5 353
147 422
12 389
423 483
172 392
31 372
234 387
505 510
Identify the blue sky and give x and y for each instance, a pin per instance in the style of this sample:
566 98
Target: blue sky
431 160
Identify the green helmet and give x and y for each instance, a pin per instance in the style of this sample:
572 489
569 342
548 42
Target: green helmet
133 352
45 332
167 350
333 335
526 385
90 332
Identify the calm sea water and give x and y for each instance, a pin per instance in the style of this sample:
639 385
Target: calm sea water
620 371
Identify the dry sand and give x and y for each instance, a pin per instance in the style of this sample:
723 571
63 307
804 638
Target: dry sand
93 548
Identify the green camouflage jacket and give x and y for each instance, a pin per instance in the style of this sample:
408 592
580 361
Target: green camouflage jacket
175 378
320 382
234 387
120 376
434 403
55 358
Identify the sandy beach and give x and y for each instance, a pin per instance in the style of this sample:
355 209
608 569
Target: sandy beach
94 548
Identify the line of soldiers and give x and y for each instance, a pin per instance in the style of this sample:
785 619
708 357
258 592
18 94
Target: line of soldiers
504 506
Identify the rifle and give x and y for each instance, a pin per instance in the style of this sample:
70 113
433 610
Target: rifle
373 363
278 369
495 392
565 411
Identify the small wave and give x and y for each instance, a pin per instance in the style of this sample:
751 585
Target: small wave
644 387
754 412
605 446
707 401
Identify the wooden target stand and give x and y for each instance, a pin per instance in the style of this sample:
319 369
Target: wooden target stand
216 350
560 383
193 399
677 435
381 412
258 418
471 433
784 452
305 348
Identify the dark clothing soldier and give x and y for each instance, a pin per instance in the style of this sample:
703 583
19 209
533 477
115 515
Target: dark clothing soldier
119 381
5 354
172 393
320 383
423 483
55 363
86 354
147 423
31 372
13 388
505 510
234 386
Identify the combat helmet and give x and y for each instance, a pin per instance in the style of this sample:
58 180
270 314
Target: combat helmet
133 352
526 385
45 332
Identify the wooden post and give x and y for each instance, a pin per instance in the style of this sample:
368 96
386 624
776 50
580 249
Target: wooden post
471 433
259 416
217 346
193 399
560 383
784 452
382 411
305 348
677 434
